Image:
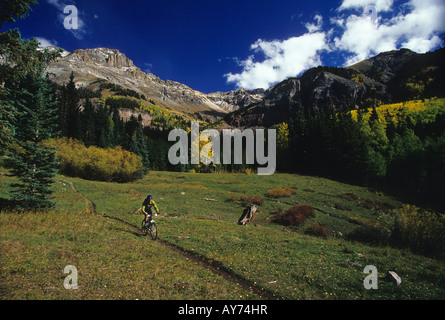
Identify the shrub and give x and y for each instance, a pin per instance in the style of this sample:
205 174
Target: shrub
420 230
370 235
423 232
112 165
251 200
319 230
296 215
281 193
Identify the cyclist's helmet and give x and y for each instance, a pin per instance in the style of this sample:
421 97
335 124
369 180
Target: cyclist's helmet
149 198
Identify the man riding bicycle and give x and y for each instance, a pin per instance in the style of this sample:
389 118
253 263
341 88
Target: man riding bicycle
147 206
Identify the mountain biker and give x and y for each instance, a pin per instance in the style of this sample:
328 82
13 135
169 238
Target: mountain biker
147 206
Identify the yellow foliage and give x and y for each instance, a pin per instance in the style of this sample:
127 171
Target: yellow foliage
423 231
283 136
418 110
416 222
95 163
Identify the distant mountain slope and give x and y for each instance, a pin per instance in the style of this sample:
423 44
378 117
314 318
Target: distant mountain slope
234 100
389 77
91 65
110 64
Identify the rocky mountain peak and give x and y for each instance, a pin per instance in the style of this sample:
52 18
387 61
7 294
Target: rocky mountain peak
384 66
389 77
111 65
236 99
102 56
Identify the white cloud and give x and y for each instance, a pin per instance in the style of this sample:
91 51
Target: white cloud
283 59
43 43
353 33
380 5
311 27
55 3
416 30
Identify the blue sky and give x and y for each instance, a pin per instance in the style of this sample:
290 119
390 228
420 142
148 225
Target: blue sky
223 45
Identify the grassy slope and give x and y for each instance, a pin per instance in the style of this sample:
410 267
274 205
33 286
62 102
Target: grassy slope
114 262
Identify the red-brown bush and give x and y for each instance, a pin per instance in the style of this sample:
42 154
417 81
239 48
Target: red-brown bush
318 229
296 215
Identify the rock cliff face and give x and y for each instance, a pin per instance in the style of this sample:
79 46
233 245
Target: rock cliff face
112 65
126 114
279 103
316 89
384 78
322 89
384 67
89 65
234 100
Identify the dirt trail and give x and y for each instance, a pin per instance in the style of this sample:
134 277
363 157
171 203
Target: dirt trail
91 204
212 265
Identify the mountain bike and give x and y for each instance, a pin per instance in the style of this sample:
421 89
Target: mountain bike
149 227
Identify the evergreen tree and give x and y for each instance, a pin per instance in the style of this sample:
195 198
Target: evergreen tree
89 128
20 57
350 147
27 110
7 119
69 112
327 128
32 162
118 132
138 144
10 10
297 130
158 150
378 151
103 124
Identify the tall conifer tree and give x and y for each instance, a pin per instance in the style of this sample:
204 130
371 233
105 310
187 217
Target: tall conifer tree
33 162
27 111
69 112
138 144
89 132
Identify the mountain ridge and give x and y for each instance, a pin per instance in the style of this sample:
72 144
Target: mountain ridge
386 77
111 65
390 77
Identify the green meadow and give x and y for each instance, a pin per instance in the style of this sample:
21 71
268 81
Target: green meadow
202 252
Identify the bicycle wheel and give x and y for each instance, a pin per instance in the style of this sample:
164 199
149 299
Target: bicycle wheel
153 230
144 228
